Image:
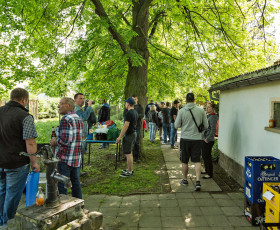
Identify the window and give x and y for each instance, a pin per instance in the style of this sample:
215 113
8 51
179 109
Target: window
276 114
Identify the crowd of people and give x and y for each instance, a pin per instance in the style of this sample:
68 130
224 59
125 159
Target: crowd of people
198 130
18 134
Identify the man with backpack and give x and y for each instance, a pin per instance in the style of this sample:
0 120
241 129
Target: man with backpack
165 113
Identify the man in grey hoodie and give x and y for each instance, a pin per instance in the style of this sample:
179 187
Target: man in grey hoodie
190 143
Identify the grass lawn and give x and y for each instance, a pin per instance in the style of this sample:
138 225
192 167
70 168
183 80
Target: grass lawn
150 175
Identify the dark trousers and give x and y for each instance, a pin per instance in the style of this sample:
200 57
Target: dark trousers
74 174
207 158
136 149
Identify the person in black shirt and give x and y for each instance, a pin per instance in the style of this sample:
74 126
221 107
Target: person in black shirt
173 131
166 123
129 134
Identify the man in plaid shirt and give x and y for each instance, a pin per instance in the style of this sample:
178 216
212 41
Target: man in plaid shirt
69 146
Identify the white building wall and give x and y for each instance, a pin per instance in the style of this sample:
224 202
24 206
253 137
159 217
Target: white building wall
244 112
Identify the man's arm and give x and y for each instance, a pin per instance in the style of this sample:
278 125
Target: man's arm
84 115
124 129
31 147
178 123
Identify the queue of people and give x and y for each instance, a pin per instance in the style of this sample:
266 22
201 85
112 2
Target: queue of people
198 129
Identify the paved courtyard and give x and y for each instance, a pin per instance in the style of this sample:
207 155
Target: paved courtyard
183 208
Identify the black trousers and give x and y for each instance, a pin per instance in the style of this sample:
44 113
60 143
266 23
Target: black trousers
207 158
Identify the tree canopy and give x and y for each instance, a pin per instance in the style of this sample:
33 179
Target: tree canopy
155 48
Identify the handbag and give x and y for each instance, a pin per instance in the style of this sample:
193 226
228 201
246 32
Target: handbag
200 127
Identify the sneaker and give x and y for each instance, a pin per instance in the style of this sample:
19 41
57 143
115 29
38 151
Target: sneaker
184 182
163 143
174 147
197 186
126 170
126 174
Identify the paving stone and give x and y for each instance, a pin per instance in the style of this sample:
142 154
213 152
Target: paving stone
149 203
131 198
169 196
184 195
150 228
232 211
191 211
150 211
247 228
220 196
187 203
206 202
195 221
167 212
128 211
200 195
130 220
217 220
111 204
149 221
239 221
208 211
174 222
130 203
168 203
174 174
224 203
149 197
236 195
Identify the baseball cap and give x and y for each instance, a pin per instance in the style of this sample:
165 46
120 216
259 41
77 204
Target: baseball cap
190 96
130 101
176 102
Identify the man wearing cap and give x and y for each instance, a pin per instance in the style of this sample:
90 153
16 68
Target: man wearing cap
189 119
129 134
173 130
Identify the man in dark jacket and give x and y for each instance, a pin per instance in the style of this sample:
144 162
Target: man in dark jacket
104 115
166 122
17 134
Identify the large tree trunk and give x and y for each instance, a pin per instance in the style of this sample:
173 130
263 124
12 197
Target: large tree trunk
136 81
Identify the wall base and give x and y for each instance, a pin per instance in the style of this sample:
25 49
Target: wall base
235 170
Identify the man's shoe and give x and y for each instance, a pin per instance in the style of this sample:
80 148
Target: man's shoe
163 143
197 186
174 147
207 177
126 170
204 172
184 182
126 174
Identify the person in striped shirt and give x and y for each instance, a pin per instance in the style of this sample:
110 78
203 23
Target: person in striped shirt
68 146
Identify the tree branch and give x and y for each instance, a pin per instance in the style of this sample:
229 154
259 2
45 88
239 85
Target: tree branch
100 11
123 16
141 13
154 22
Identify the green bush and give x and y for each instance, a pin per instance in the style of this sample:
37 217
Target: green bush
47 108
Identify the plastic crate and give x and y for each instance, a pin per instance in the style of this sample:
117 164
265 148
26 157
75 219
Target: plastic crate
271 214
275 201
258 170
269 226
254 213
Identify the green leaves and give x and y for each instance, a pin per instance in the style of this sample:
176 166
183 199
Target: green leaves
63 46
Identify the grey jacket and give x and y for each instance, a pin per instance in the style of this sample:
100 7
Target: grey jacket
185 121
209 134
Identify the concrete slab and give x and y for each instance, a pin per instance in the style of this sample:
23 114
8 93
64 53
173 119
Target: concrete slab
174 222
232 211
149 221
168 203
195 221
217 221
208 211
150 211
168 212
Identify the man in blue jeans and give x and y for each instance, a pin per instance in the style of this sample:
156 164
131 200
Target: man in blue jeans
173 130
69 146
17 134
